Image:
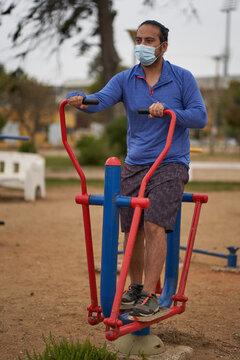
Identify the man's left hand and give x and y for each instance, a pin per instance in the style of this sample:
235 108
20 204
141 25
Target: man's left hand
156 110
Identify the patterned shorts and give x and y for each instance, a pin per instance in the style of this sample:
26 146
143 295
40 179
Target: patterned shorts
164 190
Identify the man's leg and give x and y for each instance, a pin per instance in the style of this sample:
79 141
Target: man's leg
137 259
155 254
147 307
132 294
165 194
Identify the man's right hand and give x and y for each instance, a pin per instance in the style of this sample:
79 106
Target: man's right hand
77 101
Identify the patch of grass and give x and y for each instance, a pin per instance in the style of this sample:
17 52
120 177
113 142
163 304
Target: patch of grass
61 163
193 186
65 350
58 163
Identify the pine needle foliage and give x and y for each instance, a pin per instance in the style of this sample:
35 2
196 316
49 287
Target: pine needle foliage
65 350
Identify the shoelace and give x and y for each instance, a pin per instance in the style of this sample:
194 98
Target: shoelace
128 289
143 299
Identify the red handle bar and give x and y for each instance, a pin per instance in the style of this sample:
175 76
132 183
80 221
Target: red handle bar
143 111
140 111
66 144
135 222
165 150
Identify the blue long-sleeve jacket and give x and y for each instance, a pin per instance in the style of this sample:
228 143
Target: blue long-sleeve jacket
176 90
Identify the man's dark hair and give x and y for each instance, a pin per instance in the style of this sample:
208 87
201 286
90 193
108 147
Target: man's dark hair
163 30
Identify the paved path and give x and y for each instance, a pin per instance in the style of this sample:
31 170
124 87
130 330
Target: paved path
215 171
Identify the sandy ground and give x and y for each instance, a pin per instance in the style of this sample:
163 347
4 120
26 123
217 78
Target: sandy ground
44 281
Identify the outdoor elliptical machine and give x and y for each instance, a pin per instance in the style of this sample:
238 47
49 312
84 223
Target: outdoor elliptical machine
110 291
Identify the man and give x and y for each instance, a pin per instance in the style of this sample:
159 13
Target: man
157 85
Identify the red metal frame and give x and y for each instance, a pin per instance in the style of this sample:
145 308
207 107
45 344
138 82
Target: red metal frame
114 326
93 307
113 319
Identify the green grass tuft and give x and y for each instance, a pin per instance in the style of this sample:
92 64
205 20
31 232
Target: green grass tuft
65 350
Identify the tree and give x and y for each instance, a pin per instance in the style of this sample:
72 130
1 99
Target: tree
116 134
2 121
27 101
92 151
61 20
231 110
58 21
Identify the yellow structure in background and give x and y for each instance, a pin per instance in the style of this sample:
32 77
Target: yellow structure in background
196 150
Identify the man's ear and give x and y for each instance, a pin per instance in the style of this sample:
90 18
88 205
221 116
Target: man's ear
164 46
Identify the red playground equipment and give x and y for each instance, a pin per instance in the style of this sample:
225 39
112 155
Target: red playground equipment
117 324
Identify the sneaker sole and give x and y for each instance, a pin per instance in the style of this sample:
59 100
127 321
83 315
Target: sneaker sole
145 318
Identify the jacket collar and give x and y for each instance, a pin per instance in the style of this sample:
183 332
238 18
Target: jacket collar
166 75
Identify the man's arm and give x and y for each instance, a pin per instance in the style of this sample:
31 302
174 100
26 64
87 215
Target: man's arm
194 114
108 96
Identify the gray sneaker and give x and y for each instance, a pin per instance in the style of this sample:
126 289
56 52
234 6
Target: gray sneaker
147 308
130 296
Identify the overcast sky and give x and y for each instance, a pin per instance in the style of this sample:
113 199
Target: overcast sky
193 41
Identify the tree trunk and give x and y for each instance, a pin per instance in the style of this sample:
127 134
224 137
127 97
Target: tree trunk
30 131
110 59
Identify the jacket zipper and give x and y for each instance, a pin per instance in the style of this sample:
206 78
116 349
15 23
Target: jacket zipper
151 91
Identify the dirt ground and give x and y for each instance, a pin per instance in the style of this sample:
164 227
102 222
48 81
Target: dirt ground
44 281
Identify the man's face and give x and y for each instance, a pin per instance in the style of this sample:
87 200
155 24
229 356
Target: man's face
149 35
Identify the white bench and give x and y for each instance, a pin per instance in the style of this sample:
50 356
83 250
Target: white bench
23 171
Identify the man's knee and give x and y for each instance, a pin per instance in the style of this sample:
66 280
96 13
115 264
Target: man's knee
151 227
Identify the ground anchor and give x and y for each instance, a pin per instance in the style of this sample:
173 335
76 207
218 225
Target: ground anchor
135 344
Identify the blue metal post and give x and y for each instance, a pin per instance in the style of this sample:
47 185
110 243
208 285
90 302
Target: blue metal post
232 257
172 264
110 235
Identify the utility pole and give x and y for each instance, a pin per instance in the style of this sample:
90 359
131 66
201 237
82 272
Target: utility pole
215 105
228 6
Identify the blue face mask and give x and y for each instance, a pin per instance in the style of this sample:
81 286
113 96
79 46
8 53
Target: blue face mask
146 54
